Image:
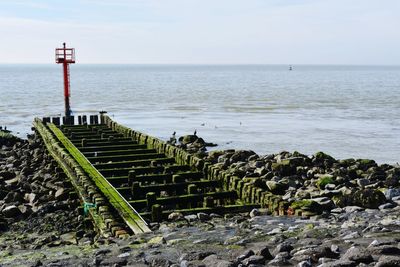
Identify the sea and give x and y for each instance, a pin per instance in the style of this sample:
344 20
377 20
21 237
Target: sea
345 111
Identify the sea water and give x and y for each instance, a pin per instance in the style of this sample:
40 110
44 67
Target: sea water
345 111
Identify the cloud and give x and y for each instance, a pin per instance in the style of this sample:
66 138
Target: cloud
234 31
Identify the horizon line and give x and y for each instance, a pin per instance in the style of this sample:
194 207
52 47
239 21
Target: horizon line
217 64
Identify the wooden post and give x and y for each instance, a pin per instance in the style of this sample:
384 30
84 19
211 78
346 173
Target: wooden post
156 213
192 189
151 198
131 177
56 121
135 190
208 202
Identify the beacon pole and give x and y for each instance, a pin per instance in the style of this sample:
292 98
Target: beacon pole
66 56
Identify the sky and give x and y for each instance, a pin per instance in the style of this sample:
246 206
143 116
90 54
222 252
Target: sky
355 32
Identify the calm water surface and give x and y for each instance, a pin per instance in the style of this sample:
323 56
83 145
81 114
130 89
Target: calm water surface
342 110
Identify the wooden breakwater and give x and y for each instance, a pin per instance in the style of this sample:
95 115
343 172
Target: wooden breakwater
126 178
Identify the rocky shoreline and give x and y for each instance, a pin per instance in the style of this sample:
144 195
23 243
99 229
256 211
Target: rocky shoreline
352 208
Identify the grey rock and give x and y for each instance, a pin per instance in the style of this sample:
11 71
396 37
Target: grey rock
387 206
61 194
306 263
351 209
282 247
191 218
11 211
195 255
351 235
281 259
255 259
213 261
194 263
325 202
254 213
384 249
362 182
174 216
392 193
264 251
339 263
388 261
276 187
313 254
124 255
102 251
245 255
159 261
359 255
335 248
203 216
337 210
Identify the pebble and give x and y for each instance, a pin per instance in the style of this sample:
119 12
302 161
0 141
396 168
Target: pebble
254 213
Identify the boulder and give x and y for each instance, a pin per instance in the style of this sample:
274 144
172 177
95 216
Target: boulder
365 164
325 203
276 187
384 249
282 247
313 253
187 139
254 213
174 216
322 159
245 255
388 261
255 259
203 216
308 205
213 261
284 168
359 255
265 253
369 198
241 155
391 193
11 211
325 180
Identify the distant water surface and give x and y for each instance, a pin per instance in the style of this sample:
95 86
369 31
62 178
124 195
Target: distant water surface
346 111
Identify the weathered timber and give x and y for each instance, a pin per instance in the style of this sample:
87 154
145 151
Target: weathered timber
137 172
130 216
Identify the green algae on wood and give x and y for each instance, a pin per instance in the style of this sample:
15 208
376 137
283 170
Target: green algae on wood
130 216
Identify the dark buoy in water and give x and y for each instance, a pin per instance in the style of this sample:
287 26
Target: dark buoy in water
290 67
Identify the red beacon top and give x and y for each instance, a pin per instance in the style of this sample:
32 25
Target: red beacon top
65 55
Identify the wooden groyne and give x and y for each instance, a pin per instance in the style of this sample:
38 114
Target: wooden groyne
125 178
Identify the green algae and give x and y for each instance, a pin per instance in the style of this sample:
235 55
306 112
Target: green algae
130 216
324 180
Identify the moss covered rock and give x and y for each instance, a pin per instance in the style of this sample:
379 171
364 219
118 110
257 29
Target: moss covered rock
187 139
307 205
284 167
7 138
365 164
277 187
324 180
369 198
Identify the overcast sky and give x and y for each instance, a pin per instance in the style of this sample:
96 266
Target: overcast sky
203 31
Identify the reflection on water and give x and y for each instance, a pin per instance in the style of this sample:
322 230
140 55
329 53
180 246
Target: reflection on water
345 111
